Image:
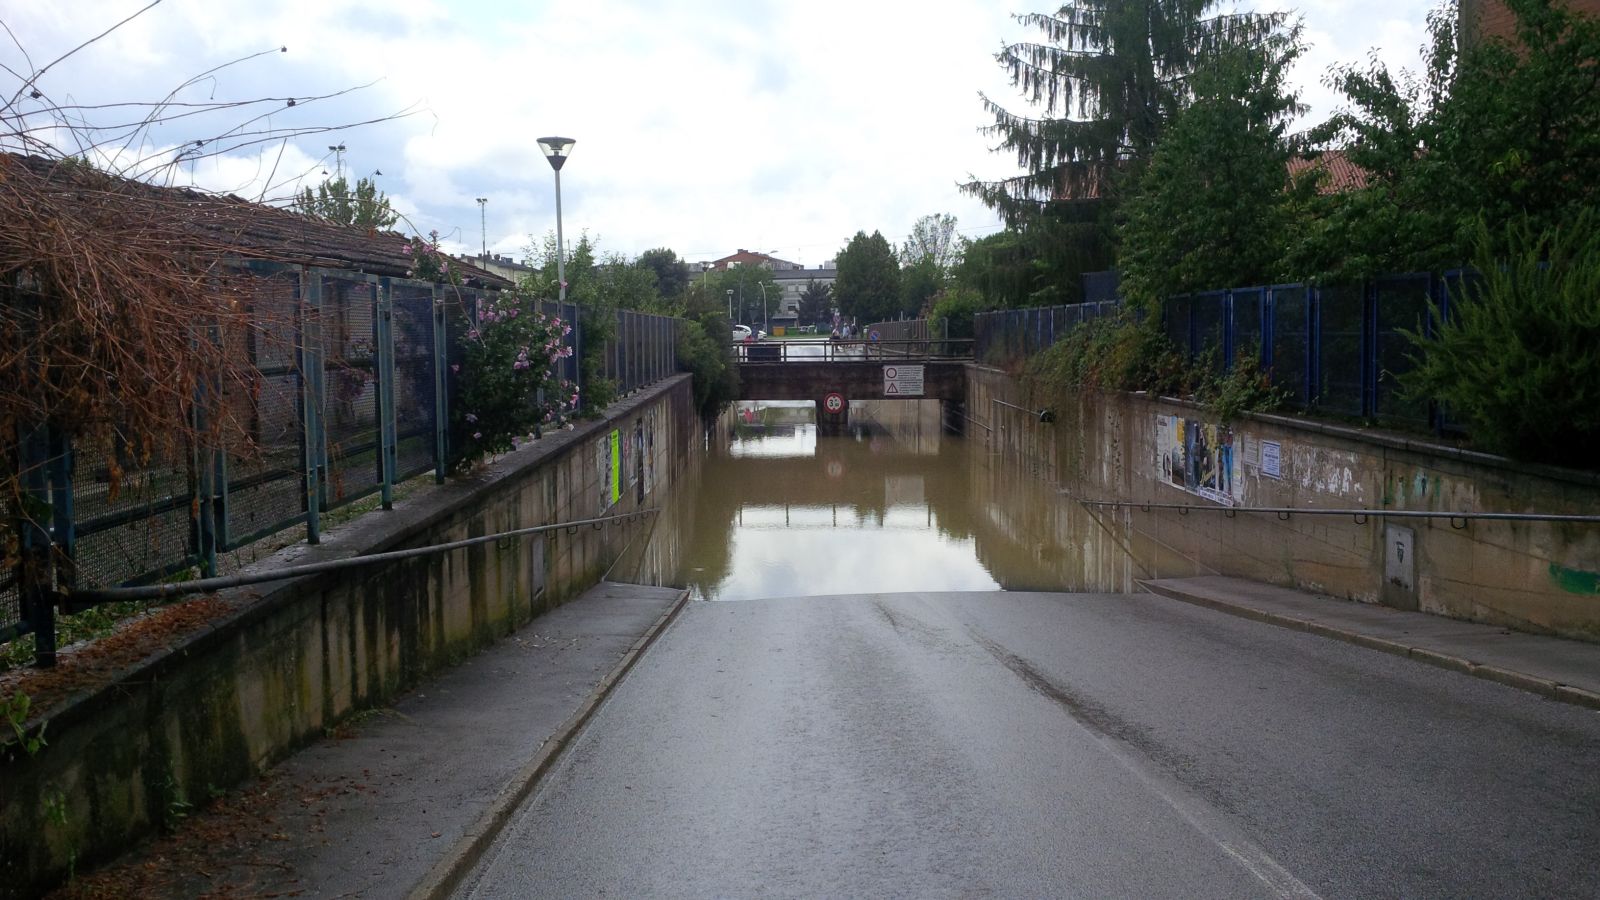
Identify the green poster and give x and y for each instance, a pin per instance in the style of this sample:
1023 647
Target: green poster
616 466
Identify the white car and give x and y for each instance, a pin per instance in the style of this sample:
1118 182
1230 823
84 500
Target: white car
741 333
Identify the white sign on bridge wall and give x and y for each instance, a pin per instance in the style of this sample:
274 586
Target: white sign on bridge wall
902 381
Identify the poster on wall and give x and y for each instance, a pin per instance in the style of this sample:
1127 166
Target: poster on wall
608 459
1199 458
615 481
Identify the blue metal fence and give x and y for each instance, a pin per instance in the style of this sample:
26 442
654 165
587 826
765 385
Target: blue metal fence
349 382
1338 350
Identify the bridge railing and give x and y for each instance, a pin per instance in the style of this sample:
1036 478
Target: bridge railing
852 350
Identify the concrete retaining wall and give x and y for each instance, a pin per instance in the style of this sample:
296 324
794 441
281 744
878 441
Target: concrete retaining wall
290 659
1534 576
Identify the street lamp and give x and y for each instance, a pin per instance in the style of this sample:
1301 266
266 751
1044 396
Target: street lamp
483 223
556 149
730 306
764 325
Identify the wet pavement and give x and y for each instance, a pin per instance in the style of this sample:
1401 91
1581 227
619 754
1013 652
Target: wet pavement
1026 745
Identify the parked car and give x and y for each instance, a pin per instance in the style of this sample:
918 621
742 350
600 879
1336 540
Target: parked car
741 332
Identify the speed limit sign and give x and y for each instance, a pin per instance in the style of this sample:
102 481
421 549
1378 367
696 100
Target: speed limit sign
833 403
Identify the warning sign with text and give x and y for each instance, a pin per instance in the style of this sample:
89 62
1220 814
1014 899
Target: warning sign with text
902 381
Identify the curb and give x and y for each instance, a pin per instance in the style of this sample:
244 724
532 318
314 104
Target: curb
446 875
1544 687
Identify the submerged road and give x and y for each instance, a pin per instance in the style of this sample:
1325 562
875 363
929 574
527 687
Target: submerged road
1051 745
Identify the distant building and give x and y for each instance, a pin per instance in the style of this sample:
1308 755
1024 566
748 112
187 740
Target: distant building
793 283
790 277
504 266
751 258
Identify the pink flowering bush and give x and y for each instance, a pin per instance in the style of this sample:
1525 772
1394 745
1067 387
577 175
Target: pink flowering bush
508 356
428 263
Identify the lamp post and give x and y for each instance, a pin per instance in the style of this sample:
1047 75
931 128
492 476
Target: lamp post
730 306
764 325
556 150
483 223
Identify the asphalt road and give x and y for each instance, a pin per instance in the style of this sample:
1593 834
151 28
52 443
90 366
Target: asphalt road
1051 745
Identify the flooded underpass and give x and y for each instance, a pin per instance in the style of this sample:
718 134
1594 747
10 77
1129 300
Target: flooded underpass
941 681
894 504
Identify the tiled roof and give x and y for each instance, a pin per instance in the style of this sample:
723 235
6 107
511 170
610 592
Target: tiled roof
253 230
1339 173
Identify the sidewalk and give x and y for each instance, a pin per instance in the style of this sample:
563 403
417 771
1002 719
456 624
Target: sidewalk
399 801
1556 668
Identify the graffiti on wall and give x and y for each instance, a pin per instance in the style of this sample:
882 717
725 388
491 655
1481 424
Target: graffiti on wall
1199 458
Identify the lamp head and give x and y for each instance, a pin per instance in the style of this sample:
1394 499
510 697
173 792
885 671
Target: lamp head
556 149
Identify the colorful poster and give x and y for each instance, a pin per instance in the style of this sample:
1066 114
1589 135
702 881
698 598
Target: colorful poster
1199 458
616 467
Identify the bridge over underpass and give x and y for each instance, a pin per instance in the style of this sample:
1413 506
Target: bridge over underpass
854 371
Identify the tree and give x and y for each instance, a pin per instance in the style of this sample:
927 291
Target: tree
672 274
1211 209
334 201
1498 131
934 238
920 282
816 303
868 283
1108 76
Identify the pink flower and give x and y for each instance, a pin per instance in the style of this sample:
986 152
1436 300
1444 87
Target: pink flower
473 334
471 417
455 367
477 435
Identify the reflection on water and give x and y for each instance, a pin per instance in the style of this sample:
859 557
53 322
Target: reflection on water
893 505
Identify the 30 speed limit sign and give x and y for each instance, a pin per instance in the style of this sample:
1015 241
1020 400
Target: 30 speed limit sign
833 403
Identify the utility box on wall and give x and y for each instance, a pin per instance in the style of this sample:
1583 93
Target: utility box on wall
1399 566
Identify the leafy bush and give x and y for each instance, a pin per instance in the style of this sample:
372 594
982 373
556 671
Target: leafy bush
1516 359
704 353
1119 353
957 306
1245 388
506 360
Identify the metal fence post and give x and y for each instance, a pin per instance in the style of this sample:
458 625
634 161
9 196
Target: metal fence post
64 529
441 367
38 608
311 398
388 430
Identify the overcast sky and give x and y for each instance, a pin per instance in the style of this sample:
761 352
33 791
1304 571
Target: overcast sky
701 125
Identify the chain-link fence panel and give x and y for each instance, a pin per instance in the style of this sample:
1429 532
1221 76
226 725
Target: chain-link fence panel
132 517
1454 288
1402 306
1176 322
1341 349
414 394
1291 341
1247 339
264 449
350 389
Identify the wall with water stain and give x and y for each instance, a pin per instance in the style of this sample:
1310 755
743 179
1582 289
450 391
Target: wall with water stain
1534 576
291 659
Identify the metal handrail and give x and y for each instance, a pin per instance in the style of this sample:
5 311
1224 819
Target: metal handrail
1362 513
222 582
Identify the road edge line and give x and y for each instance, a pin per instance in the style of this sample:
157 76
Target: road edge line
447 874
1533 684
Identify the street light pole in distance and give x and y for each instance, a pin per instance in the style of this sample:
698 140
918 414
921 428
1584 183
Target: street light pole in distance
483 225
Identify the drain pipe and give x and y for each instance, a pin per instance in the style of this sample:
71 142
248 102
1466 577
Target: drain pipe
1045 416
207 585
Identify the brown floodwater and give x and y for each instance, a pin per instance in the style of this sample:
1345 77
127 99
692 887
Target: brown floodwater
776 510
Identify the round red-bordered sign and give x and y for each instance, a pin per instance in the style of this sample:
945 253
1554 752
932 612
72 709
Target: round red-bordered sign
833 403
